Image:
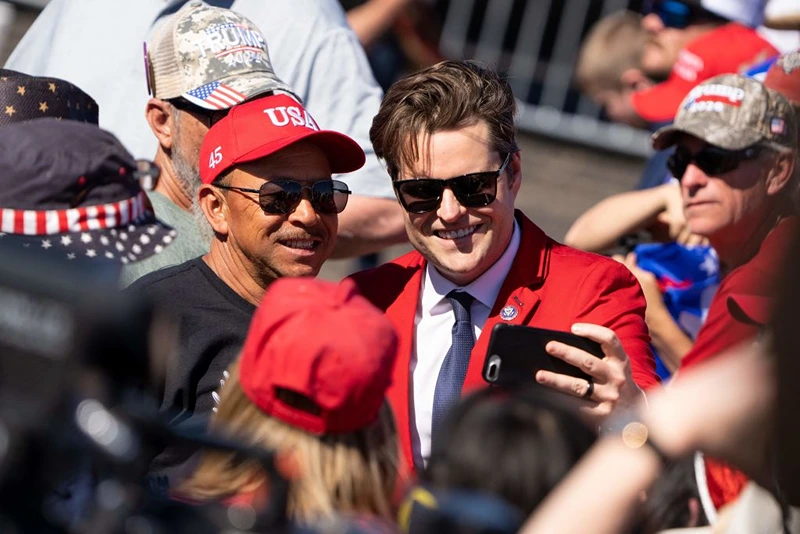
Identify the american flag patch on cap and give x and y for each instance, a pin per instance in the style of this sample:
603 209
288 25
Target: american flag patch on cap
216 95
777 126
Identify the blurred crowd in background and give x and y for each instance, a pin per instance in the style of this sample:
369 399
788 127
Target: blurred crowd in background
176 174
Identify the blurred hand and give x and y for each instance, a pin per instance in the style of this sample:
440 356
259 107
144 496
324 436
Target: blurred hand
652 293
611 375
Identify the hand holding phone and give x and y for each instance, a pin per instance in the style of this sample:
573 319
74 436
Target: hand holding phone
516 353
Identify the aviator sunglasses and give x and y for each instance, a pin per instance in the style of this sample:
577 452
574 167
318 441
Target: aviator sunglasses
713 161
475 190
280 197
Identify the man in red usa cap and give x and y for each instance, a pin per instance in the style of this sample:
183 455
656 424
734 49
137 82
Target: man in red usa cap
269 198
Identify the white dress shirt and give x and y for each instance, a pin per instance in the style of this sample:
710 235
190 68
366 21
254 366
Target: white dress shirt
433 335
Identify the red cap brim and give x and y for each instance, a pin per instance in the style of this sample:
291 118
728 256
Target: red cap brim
344 154
661 103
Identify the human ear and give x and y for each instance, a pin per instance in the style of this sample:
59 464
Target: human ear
215 208
780 173
160 115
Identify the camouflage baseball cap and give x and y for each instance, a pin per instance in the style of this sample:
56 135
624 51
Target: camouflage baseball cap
211 56
732 112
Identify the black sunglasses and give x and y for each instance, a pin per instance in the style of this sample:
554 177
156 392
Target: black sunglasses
475 190
209 117
678 14
713 161
279 197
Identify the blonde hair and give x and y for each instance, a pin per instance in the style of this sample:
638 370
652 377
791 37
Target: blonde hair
613 45
353 472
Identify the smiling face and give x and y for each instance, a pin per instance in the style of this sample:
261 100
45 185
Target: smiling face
271 246
462 243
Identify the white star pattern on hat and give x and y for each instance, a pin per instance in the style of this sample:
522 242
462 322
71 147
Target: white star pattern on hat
136 249
158 249
86 238
66 240
46 244
123 236
109 255
104 240
151 230
144 239
71 256
124 260
91 253
167 239
120 246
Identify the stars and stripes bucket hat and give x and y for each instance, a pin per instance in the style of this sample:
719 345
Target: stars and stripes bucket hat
213 57
71 190
24 98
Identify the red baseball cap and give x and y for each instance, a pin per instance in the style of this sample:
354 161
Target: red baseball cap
725 50
264 126
784 76
325 343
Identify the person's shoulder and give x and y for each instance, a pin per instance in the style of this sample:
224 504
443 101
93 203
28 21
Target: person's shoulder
566 256
164 279
760 273
390 277
321 14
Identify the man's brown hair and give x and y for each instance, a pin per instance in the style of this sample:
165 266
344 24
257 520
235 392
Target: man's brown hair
447 96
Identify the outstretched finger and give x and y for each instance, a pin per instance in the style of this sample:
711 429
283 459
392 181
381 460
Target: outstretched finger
586 362
575 387
609 342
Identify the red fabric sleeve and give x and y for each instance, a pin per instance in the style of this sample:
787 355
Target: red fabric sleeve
609 295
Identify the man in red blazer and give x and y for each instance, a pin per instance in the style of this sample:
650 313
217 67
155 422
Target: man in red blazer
447 136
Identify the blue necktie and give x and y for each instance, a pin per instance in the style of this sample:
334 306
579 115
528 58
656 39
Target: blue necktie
454 368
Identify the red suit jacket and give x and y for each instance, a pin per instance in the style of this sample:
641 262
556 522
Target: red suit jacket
551 286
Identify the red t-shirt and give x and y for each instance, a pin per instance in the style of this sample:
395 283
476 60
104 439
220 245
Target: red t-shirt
736 315
757 279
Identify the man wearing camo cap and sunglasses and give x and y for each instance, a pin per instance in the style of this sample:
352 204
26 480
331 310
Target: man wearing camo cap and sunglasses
736 144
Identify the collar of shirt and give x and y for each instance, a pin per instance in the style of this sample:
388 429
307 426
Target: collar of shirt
485 288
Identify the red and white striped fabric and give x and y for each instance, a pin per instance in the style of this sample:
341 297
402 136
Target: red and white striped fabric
214 95
49 222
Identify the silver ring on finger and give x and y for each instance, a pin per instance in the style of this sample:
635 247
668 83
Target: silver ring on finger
589 390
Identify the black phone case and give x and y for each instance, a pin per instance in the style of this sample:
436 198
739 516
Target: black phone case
516 352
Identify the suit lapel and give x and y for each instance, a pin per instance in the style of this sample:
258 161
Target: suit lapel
519 295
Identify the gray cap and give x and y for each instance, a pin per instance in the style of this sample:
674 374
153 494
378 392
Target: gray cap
732 112
211 56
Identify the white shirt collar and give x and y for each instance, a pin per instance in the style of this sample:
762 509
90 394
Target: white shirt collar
485 288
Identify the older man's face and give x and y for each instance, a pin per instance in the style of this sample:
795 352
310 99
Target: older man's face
725 206
272 246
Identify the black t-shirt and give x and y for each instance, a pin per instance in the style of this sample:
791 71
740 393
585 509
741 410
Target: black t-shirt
213 321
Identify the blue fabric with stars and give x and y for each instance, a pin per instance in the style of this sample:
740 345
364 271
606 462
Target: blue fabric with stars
688 277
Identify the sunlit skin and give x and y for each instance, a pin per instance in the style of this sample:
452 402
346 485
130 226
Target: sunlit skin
451 153
730 208
664 43
262 247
